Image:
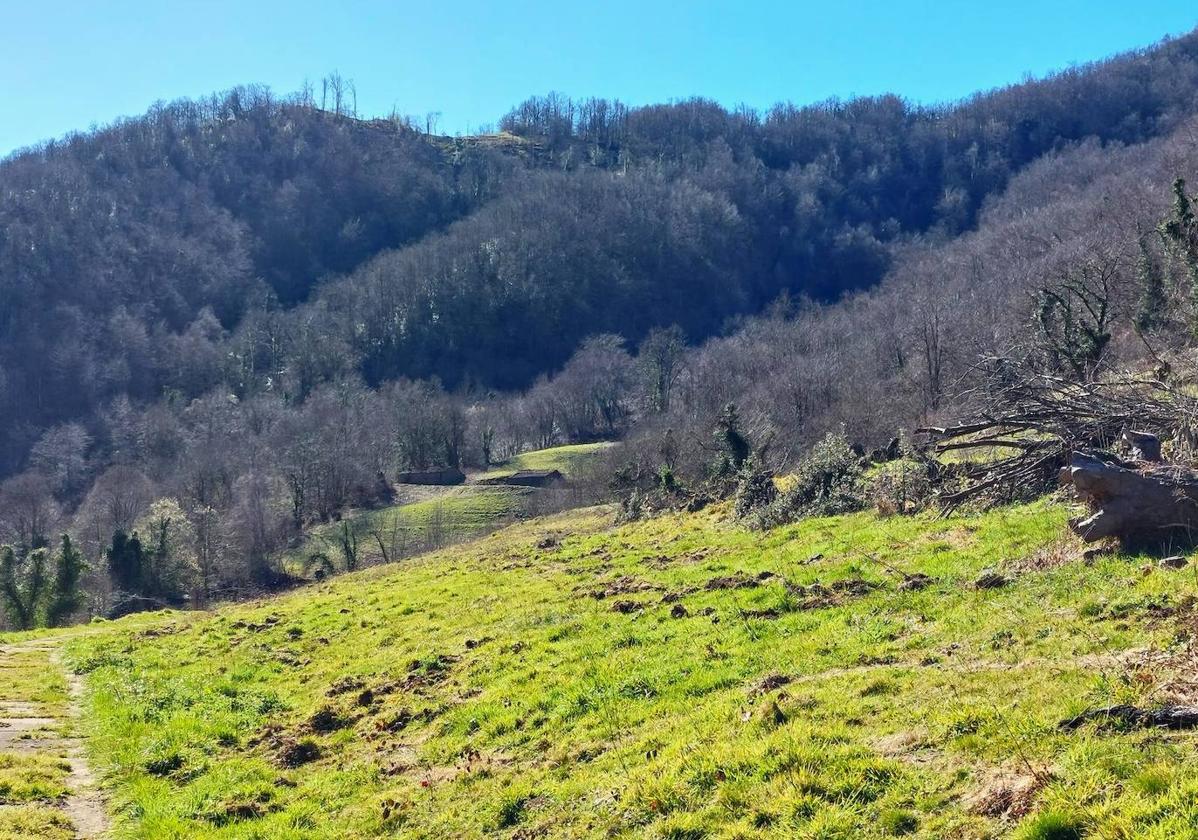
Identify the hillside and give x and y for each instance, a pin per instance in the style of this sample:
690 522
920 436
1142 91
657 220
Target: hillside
262 245
239 318
428 517
865 432
677 678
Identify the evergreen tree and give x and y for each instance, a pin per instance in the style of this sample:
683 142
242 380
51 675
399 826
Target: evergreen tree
66 597
734 445
1153 306
126 562
1180 234
23 586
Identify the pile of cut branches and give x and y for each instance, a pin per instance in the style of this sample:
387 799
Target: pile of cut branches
1025 425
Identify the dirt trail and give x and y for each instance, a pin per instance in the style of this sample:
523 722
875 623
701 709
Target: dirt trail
31 728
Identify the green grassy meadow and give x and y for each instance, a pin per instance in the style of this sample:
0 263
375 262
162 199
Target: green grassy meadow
453 514
676 678
444 514
569 460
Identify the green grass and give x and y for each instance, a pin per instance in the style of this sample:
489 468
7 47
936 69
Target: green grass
448 515
569 460
23 822
462 509
486 691
28 676
452 514
34 777
33 784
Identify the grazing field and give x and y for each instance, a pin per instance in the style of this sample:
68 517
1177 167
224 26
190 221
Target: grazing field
677 678
568 460
429 517
442 515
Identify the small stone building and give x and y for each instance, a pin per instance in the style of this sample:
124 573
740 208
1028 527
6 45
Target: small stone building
530 478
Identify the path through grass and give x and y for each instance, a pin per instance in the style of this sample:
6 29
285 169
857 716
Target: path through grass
46 787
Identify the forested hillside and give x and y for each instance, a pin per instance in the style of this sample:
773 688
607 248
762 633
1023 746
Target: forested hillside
253 307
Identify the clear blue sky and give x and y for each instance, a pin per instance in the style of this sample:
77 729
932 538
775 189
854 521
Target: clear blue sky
70 64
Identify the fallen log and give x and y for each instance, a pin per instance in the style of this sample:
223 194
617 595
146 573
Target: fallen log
1166 717
1133 502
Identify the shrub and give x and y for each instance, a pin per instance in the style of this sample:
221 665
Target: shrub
755 488
830 481
901 487
731 442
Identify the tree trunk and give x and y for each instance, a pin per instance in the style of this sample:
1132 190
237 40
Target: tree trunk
1148 502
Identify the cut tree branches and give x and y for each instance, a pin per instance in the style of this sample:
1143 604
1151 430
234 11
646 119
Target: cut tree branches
1028 424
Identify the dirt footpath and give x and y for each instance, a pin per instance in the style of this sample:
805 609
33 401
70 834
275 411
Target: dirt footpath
38 730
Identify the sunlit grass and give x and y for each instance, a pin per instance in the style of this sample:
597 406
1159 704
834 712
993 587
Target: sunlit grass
487 688
34 822
450 515
32 777
28 676
566 459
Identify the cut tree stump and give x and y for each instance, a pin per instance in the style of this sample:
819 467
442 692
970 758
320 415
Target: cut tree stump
1137 502
1144 446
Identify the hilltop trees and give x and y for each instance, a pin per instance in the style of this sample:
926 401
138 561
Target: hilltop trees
147 240
271 245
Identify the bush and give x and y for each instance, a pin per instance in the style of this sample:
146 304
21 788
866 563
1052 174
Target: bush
755 488
901 487
829 482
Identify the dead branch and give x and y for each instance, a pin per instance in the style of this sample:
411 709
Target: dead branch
1045 418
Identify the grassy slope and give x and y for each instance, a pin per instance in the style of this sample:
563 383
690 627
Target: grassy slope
449 513
567 459
484 690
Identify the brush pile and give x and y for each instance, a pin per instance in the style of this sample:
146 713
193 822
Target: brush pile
1030 430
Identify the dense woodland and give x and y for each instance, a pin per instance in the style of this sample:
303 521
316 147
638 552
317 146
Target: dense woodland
229 319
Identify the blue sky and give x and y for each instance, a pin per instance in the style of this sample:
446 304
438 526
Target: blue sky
74 63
